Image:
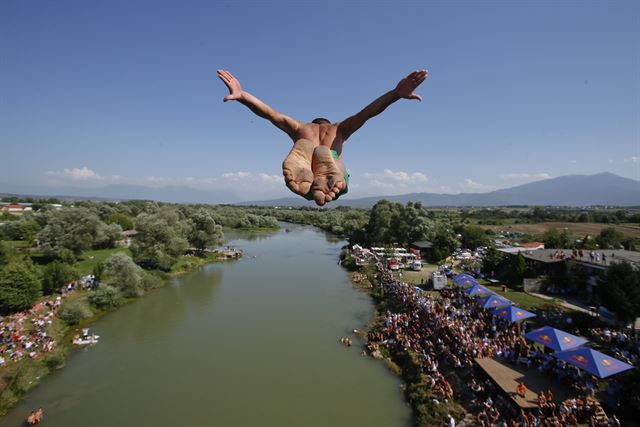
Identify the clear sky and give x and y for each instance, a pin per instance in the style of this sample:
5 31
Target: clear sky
100 92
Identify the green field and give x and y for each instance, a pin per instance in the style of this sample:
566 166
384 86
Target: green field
522 299
416 277
90 259
19 244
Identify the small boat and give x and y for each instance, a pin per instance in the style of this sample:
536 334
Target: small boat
91 339
86 340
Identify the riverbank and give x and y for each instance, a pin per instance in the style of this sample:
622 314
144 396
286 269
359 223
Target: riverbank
428 409
17 378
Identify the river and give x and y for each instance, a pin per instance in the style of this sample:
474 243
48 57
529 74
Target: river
249 343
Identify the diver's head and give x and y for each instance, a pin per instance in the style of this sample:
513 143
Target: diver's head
320 121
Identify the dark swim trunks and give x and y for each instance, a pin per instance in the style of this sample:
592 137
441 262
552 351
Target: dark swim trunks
334 153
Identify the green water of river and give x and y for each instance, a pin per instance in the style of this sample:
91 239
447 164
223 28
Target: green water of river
244 343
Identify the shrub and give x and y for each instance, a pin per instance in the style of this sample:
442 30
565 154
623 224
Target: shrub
106 297
151 281
121 272
56 359
56 275
73 312
20 286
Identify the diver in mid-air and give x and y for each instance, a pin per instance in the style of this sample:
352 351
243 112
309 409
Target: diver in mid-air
314 168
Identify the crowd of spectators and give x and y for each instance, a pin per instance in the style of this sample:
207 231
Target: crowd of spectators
88 281
448 333
24 334
618 342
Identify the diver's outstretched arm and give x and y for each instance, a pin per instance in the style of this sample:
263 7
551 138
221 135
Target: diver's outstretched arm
404 89
282 122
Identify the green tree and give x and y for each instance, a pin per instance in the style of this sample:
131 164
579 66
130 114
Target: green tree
517 268
123 220
76 229
577 276
74 311
204 230
610 238
6 253
393 223
444 243
492 259
106 297
20 286
98 271
419 225
379 226
554 239
474 237
122 273
538 213
621 293
56 275
106 235
160 240
24 228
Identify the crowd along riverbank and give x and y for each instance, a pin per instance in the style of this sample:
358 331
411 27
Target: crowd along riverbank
428 409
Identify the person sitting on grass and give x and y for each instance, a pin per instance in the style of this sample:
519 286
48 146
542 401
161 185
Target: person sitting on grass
314 168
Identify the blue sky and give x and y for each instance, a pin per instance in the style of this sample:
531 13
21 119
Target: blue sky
95 93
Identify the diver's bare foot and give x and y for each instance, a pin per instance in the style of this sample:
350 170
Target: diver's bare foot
296 167
329 179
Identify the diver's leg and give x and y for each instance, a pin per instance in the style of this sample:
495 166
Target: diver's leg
328 179
296 167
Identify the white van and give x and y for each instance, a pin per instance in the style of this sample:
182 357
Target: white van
416 265
439 280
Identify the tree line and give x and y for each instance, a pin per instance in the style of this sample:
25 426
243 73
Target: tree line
40 250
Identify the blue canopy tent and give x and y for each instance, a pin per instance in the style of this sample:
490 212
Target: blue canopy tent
592 361
554 338
493 301
513 313
477 290
465 280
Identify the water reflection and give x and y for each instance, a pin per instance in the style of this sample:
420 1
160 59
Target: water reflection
250 236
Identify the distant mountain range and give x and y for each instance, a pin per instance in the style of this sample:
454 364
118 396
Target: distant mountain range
173 194
571 190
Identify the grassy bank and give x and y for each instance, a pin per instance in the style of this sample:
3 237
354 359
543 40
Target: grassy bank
89 259
18 378
190 263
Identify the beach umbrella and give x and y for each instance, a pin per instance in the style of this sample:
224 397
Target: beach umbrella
592 361
554 338
493 301
513 313
477 290
465 280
